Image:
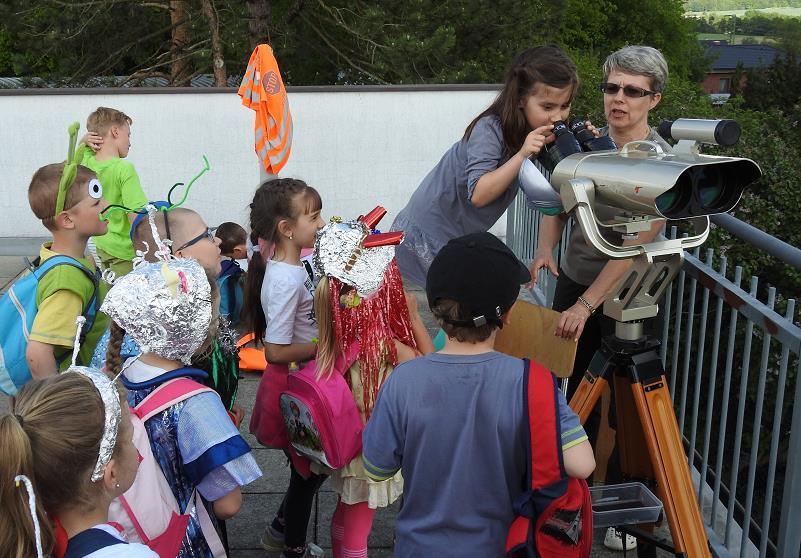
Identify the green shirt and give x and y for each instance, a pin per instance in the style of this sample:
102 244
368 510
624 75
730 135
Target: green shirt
120 187
59 330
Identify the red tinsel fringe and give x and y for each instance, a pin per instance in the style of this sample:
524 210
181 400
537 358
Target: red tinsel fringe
376 322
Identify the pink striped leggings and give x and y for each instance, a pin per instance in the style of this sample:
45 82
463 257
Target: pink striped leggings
350 527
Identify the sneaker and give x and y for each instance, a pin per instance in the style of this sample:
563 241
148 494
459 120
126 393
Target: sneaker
272 540
312 551
614 540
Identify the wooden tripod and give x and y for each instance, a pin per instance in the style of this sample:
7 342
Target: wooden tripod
645 419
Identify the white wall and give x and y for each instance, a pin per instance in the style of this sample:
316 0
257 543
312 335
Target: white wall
359 149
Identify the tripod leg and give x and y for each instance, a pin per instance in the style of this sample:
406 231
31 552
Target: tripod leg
635 463
592 385
674 484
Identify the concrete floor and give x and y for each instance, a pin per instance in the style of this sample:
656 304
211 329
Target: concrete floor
262 498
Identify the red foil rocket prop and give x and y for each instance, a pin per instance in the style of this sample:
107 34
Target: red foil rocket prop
372 218
383 239
379 239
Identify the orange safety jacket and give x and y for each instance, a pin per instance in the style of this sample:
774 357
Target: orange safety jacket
263 91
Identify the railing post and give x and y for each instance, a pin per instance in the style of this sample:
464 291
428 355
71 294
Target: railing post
512 239
789 543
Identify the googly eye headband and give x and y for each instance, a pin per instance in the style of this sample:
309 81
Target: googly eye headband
74 158
355 253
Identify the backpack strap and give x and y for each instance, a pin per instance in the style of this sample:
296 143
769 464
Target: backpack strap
166 395
546 465
545 475
89 541
90 311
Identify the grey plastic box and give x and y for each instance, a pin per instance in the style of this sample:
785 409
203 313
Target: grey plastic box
624 504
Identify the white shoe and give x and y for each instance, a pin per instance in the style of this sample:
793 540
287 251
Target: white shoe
312 551
614 540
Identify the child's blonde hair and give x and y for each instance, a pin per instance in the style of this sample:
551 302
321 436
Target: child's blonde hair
171 225
375 322
103 118
52 437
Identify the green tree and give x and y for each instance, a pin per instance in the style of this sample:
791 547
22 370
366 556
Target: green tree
775 87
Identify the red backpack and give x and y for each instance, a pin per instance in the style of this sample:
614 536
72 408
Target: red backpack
554 517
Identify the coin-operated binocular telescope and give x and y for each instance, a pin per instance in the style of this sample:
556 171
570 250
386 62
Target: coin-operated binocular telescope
643 182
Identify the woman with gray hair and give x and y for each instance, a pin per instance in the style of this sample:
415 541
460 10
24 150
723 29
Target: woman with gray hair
634 78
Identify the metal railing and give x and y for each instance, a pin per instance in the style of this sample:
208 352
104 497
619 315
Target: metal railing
732 361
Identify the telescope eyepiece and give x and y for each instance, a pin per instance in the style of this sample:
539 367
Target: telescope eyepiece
715 132
565 143
588 140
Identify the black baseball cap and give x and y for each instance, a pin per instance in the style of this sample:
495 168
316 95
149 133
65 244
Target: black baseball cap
480 273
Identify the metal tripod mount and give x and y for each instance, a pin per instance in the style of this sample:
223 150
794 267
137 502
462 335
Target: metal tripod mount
647 434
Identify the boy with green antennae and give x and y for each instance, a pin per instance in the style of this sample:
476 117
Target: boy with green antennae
68 198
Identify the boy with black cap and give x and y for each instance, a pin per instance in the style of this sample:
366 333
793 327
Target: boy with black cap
454 421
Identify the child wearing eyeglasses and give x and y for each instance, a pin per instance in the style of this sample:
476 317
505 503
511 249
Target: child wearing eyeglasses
190 237
476 180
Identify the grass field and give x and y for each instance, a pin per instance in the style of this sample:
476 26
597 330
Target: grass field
787 12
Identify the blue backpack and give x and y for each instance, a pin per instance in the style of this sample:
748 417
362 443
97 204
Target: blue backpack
231 293
18 309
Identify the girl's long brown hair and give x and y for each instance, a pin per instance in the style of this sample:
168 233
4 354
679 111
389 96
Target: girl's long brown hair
546 65
274 200
52 437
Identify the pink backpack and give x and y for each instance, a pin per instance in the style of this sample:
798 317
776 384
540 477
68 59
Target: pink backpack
322 420
148 511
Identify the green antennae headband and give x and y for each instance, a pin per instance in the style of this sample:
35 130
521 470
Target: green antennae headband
104 215
74 158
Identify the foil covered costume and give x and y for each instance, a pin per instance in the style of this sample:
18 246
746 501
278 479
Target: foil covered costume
166 308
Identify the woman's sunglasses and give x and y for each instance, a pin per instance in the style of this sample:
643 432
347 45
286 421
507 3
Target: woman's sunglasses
208 233
628 90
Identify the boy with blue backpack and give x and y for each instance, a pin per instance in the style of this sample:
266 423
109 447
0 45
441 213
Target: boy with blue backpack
457 423
38 312
233 242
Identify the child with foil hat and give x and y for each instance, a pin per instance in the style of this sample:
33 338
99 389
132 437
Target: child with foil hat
167 307
67 453
360 298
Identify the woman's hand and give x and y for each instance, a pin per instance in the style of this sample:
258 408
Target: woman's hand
534 141
92 140
542 258
572 322
591 128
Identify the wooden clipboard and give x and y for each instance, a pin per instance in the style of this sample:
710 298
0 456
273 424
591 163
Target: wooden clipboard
530 334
